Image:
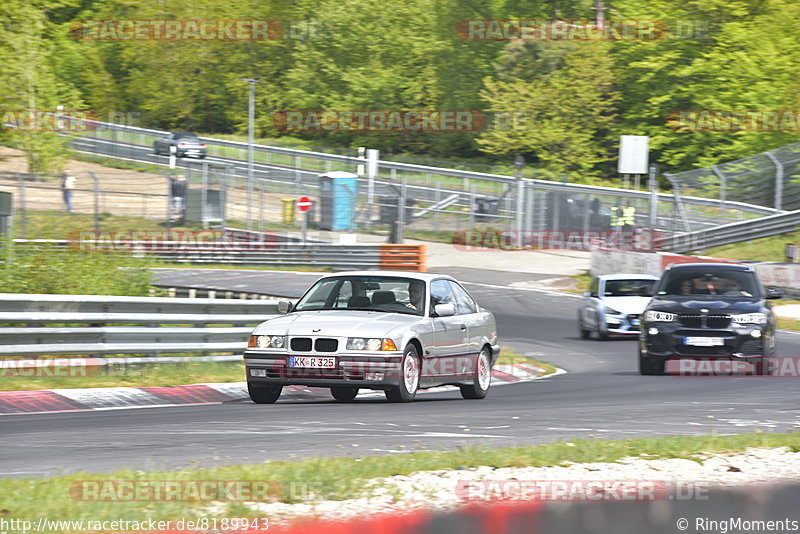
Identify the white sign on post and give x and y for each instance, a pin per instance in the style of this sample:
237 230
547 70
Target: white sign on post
372 162
633 154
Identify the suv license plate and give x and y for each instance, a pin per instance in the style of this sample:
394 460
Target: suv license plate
704 341
312 362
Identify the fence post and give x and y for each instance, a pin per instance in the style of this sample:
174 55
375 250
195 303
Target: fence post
778 180
401 213
437 213
723 186
520 211
21 204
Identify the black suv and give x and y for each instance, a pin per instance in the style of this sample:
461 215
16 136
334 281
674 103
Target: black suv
707 310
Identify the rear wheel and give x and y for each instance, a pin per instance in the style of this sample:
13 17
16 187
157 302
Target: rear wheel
648 365
344 394
409 378
264 394
483 377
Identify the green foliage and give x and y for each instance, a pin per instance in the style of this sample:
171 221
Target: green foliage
49 270
576 97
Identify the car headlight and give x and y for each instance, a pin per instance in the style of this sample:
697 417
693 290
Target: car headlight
750 318
659 316
267 342
370 343
612 311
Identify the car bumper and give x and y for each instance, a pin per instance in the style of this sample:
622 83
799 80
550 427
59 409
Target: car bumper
350 370
622 325
738 342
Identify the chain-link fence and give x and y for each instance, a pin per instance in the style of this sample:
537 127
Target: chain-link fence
770 179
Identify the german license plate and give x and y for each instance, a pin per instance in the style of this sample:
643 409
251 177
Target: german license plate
313 362
704 341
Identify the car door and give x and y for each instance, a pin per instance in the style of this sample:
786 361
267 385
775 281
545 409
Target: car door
478 328
450 334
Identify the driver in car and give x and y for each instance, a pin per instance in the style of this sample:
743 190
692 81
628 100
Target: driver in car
416 295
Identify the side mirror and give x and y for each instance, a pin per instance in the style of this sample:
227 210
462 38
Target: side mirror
590 294
444 310
774 293
284 306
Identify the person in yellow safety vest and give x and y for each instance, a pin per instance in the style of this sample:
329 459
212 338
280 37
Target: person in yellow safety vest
628 216
616 216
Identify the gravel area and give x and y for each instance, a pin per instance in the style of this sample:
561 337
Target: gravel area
438 490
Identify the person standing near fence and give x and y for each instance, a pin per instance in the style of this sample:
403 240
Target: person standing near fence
177 191
68 183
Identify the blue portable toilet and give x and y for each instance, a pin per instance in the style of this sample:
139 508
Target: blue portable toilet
337 200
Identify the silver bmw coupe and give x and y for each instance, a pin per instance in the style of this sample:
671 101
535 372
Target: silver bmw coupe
393 331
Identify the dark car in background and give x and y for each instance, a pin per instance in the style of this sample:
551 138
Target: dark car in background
708 310
185 143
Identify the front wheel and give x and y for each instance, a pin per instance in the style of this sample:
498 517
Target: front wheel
264 394
409 378
648 365
483 377
344 394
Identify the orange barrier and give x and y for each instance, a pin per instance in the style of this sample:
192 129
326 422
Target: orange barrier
402 257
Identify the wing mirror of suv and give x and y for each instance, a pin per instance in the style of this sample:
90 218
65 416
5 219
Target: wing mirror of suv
774 292
444 310
590 294
284 306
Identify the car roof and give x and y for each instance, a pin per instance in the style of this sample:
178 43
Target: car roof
700 265
426 277
627 276
184 133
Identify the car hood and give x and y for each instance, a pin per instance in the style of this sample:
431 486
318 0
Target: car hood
627 305
693 304
337 323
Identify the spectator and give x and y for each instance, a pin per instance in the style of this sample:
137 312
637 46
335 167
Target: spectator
68 184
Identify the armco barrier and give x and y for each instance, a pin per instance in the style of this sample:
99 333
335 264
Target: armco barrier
610 261
319 255
92 314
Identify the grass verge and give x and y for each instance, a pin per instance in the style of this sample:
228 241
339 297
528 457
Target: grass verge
343 477
167 374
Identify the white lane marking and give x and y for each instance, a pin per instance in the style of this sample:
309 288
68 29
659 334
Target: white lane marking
545 291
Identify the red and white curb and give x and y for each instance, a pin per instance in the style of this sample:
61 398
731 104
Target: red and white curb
121 398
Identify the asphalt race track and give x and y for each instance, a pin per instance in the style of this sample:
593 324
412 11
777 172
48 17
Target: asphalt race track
602 395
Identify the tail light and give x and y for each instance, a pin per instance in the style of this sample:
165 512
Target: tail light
203 145
182 144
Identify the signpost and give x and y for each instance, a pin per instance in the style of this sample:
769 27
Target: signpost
303 205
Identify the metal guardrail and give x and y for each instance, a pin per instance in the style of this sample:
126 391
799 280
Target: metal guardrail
320 255
98 311
732 233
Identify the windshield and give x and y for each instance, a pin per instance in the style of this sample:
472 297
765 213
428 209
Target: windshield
700 282
635 287
373 293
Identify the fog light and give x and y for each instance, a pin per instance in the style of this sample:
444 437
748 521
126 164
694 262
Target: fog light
258 372
756 333
652 331
373 376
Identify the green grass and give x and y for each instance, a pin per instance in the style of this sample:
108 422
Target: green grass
765 249
583 280
347 476
116 163
509 356
55 224
167 374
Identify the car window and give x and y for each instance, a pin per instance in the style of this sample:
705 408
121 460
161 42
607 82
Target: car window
695 282
373 293
629 288
441 293
464 302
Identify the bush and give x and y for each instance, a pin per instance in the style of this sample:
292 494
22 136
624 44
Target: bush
50 270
